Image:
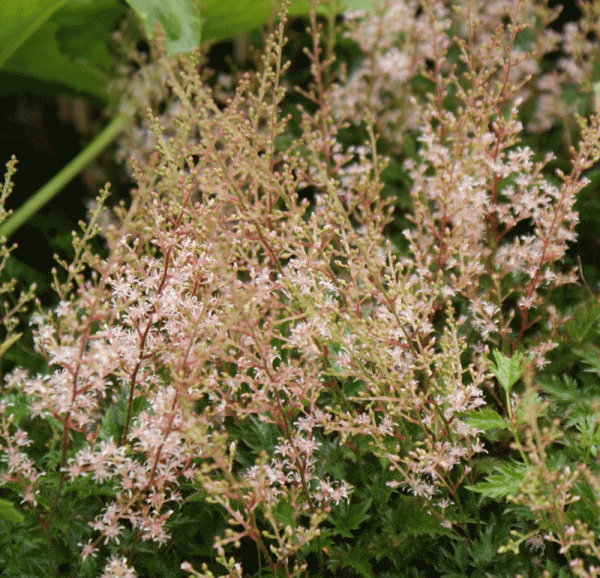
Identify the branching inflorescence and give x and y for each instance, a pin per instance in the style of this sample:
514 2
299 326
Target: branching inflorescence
251 288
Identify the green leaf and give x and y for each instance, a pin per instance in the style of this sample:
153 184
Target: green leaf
17 407
19 19
485 419
584 319
587 427
224 19
112 423
590 355
80 12
355 559
284 514
180 20
334 350
454 564
263 436
54 67
507 370
564 389
505 482
412 517
85 26
483 550
346 518
9 513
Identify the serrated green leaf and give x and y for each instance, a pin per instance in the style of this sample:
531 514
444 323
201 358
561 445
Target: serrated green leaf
586 425
507 370
346 518
265 436
564 389
180 20
590 356
505 482
358 513
483 550
485 419
584 319
355 559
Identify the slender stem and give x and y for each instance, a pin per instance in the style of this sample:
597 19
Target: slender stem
68 173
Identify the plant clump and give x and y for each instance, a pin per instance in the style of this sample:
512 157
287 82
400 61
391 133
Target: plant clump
257 377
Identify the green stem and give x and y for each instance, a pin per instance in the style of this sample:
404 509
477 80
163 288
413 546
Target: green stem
59 181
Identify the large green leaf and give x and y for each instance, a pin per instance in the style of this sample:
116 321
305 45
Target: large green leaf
62 44
180 20
19 19
85 29
224 19
40 58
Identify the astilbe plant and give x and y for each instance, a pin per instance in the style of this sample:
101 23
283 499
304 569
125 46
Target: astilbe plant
254 340
403 42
